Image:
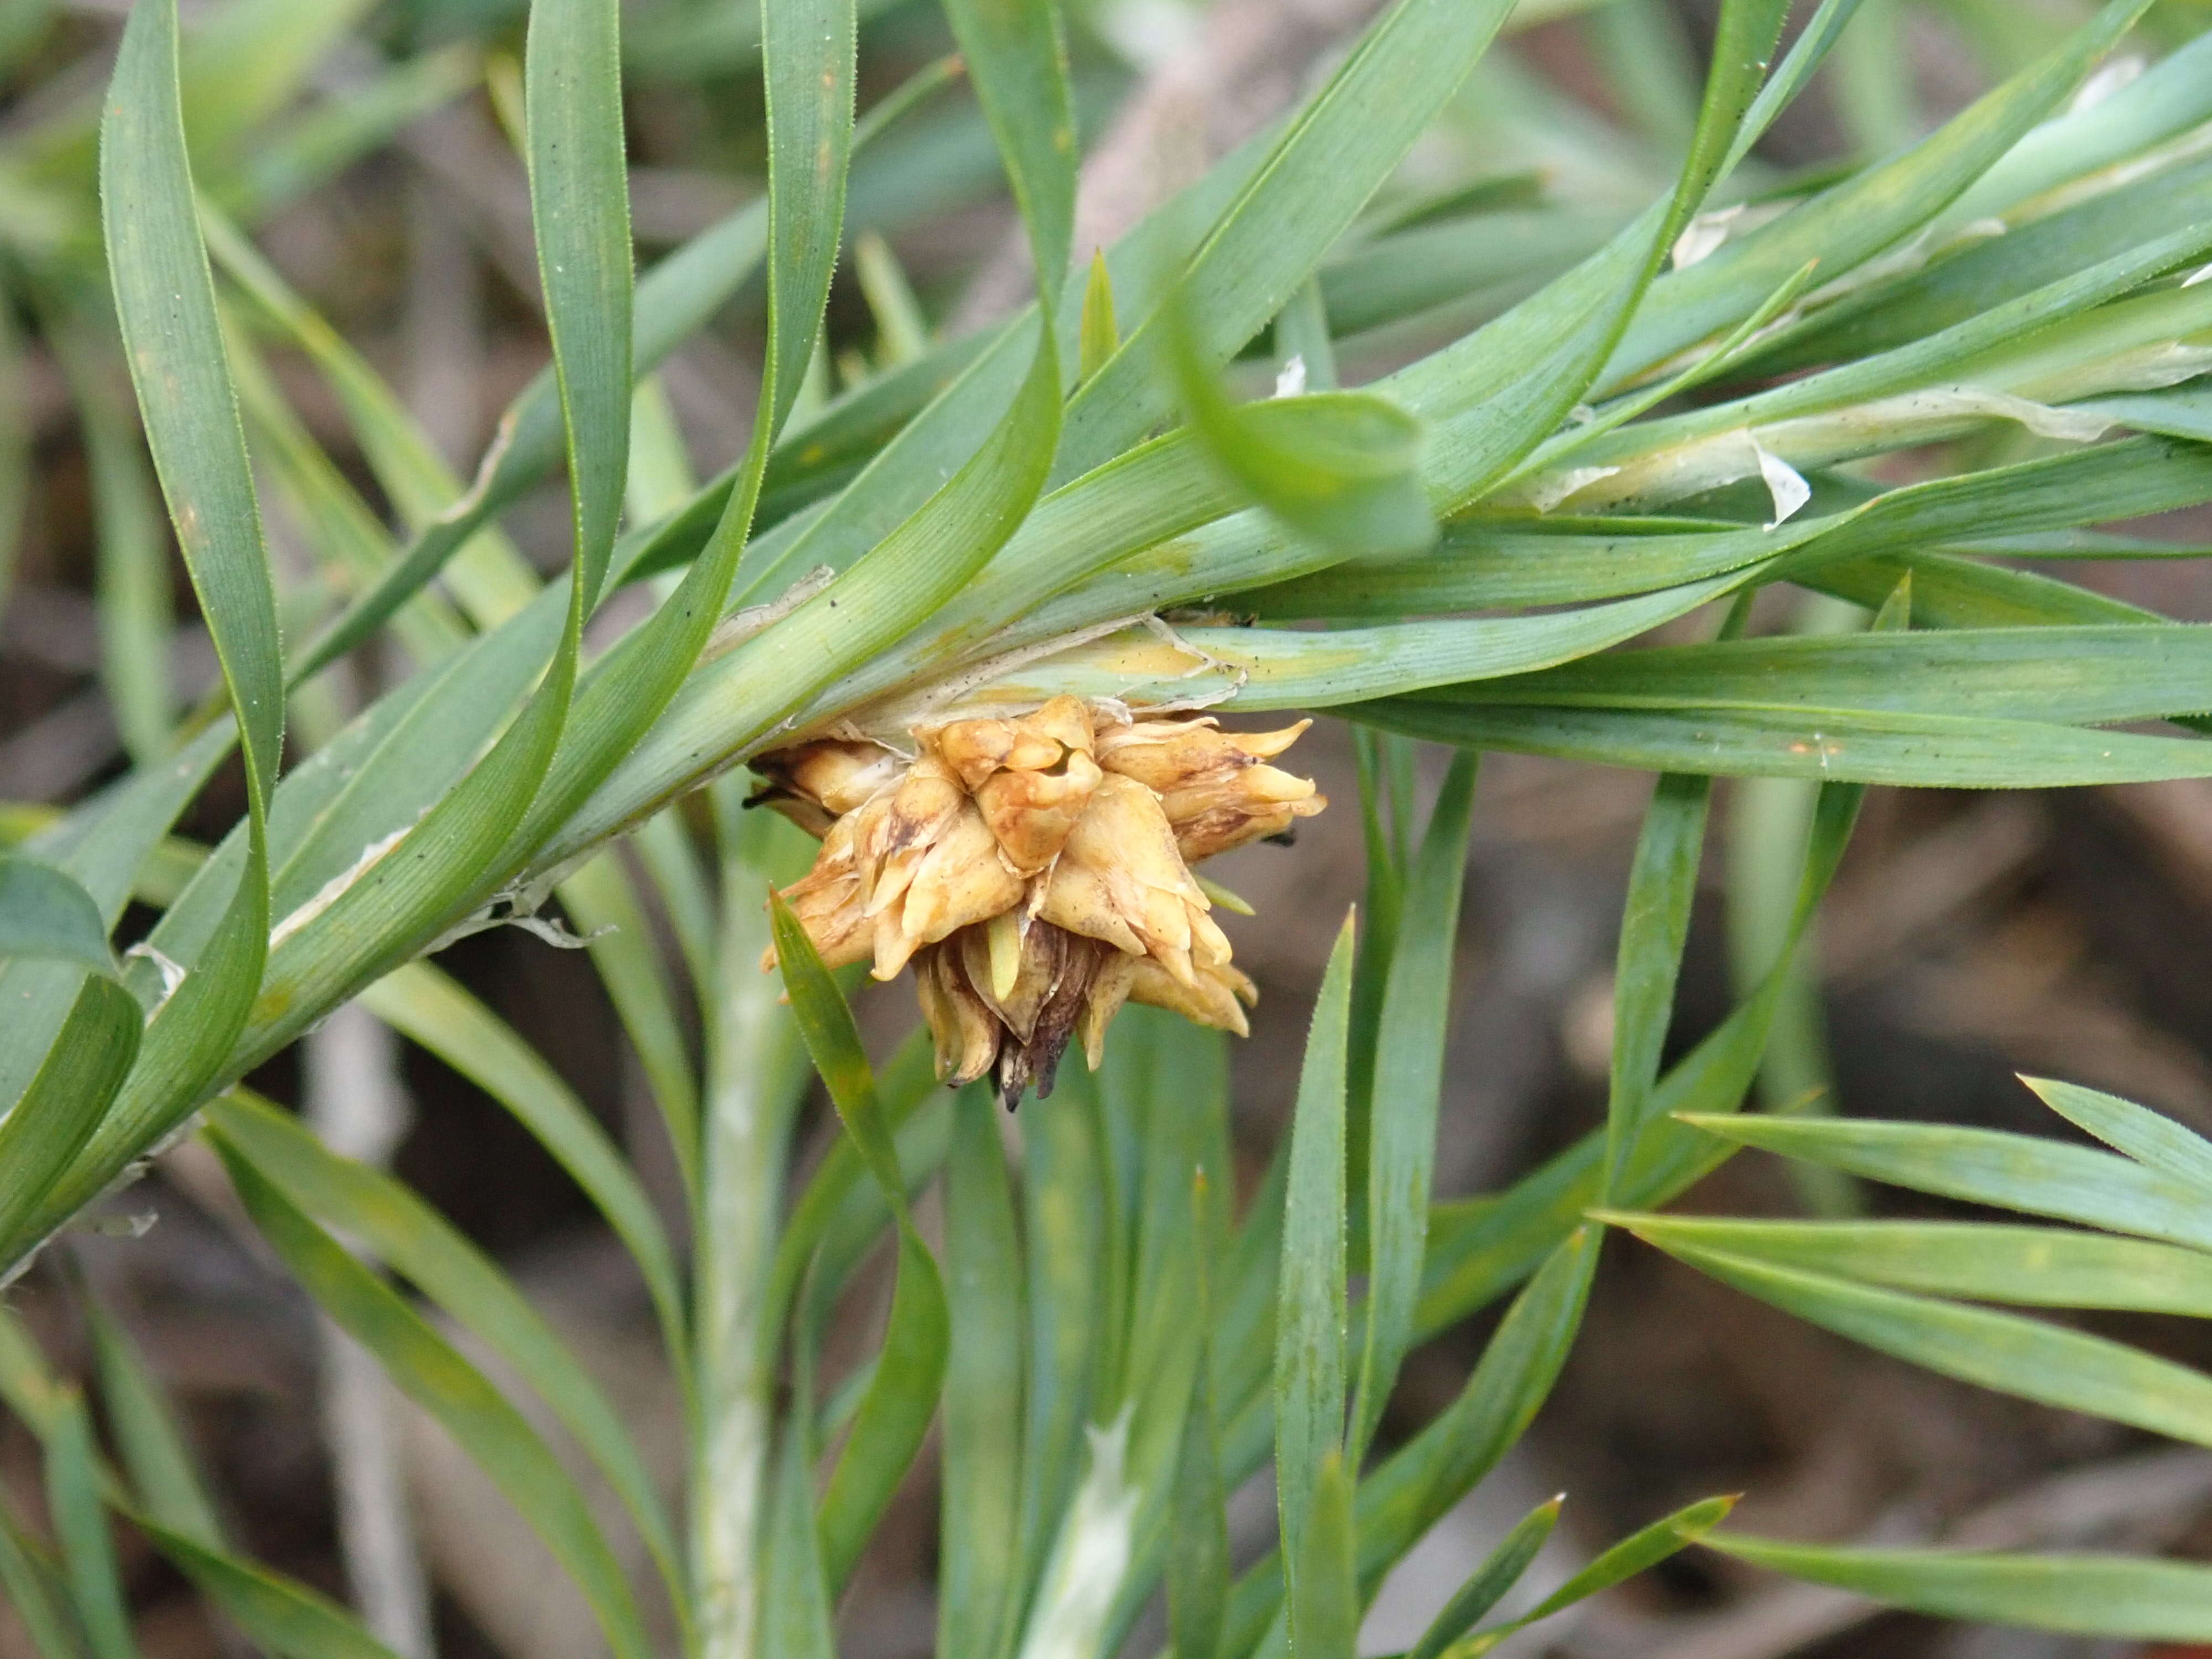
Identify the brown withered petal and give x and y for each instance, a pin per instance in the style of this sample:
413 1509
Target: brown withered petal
961 880
962 1031
1224 829
1032 812
1215 996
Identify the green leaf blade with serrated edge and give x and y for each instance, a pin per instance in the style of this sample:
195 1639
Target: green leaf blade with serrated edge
430 1372
1979 1261
2152 1140
1324 1593
2013 1355
1409 1084
1310 1315
2030 1172
2086 1595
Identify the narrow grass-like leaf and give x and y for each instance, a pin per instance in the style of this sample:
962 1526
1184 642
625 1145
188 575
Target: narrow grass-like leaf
1310 1316
1828 744
275 1613
1198 1531
2155 1141
2087 1594
1981 1261
1329 161
2013 1355
1324 1594
1099 333
1338 469
983 1393
1067 1235
36 1593
1655 927
422 1004
797 1623
80 1524
1983 1166
603 902
1633 1554
432 1372
894 1414
137 611
579 209
146 1434
1408 1081
165 305
1490 1583
362 1203
1014 53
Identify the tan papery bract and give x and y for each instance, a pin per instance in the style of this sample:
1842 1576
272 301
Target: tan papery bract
1035 872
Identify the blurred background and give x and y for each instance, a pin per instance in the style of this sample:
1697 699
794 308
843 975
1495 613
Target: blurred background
367 148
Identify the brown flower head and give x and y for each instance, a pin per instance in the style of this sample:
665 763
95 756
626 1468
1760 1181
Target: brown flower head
1035 872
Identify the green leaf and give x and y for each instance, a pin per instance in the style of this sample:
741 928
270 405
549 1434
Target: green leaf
36 1592
894 1413
1198 1531
1409 1060
429 1371
1310 1317
1014 53
1331 156
1830 744
274 1612
579 209
1982 1261
45 916
423 1005
146 1433
1099 334
1324 1597
2091 1595
2156 1142
173 339
601 900
2004 1351
1487 1585
362 1203
797 1624
983 1395
1338 469
1982 1166
1068 1235
80 1524
1641 1550
1655 927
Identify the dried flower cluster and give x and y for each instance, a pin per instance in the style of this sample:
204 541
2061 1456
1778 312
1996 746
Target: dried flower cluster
1035 872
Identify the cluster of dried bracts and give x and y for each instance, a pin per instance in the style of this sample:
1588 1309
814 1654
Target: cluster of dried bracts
1035 872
